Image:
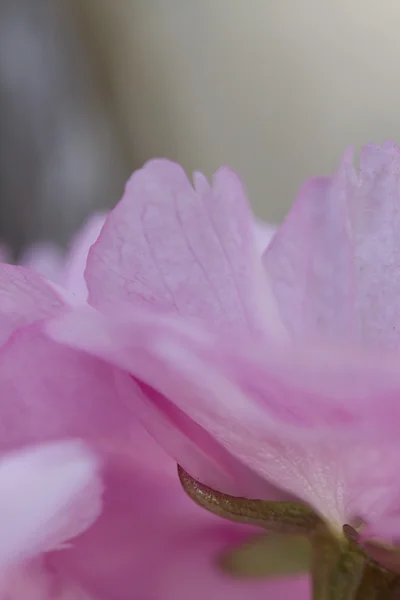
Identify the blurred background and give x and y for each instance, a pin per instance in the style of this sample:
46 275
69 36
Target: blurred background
90 89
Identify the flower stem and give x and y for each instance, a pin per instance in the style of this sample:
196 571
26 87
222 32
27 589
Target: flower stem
377 584
288 517
341 569
337 568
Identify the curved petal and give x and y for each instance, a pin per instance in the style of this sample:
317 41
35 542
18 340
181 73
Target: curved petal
334 262
376 223
182 250
50 391
281 422
129 347
25 297
310 261
73 274
152 541
327 388
344 477
49 494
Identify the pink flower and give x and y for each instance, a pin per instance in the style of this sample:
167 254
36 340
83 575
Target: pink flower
79 394
280 368
150 540
48 390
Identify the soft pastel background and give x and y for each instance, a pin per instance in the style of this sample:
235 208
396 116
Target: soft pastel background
90 89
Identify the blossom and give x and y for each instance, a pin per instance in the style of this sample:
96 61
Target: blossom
278 368
65 392
49 391
151 541
146 539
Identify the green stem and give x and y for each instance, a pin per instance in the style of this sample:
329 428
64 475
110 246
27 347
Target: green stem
378 584
290 517
337 568
342 571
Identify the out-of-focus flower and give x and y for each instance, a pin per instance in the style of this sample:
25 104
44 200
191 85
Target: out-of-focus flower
48 390
150 540
80 394
49 495
67 269
281 368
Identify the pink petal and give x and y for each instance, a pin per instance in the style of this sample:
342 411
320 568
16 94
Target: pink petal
376 223
50 391
190 444
152 541
66 271
386 530
195 449
310 260
25 297
327 387
73 277
49 494
190 568
334 263
264 234
289 425
34 582
344 477
182 250
26 583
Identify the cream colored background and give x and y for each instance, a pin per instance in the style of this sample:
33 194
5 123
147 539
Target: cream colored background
275 88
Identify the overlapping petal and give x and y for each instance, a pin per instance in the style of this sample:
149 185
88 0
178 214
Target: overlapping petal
49 494
25 298
330 459
176 274
153 542
170 246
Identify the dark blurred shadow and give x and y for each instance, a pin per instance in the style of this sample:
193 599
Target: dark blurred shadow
60 153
